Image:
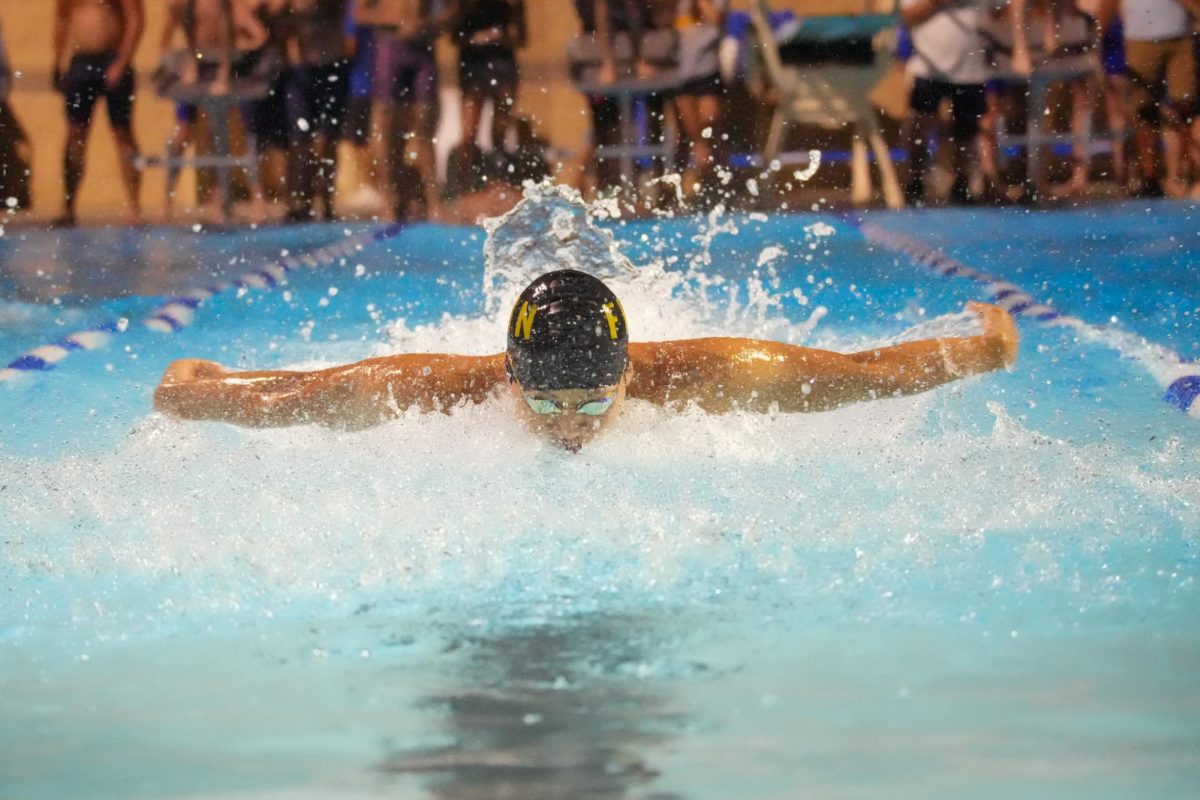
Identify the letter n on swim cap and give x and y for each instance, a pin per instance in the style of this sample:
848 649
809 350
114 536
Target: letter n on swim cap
567 331
524 320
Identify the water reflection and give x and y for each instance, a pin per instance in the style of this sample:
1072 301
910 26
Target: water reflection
551 711
37 265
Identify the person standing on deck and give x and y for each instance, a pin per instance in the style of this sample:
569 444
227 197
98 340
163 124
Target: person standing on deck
215 31
408 76
100 36
947 62
488 34
1161 63
319 48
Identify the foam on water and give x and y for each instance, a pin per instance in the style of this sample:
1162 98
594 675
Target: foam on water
458 502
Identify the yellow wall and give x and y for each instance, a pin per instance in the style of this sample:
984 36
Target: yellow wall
27 24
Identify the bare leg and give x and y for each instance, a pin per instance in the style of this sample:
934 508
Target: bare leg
1082 104
918 125
1115 104
1022 62
74 154
1174 133
502 118
327 171
131 176
423 120
179 142
466 160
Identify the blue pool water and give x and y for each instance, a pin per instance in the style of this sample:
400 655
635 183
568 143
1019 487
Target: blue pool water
988 590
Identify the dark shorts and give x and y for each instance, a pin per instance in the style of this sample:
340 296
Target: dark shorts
1112 49
267 118
357 127
487 72
185 113
83 85
316 99
407 72
703 87
967 103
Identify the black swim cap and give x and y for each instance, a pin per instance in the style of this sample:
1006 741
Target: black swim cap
567 331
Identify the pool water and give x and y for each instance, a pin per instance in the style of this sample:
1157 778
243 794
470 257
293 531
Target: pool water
988 590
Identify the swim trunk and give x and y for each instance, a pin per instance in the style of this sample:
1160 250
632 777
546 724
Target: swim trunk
316 99
487 71
1169 63
185 113
704 86
357 128
1112 49
267 118
407 72
83 85
967 103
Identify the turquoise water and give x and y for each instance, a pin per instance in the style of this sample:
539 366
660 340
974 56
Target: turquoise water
988 590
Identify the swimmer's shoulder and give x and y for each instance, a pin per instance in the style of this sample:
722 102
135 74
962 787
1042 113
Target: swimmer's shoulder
681 369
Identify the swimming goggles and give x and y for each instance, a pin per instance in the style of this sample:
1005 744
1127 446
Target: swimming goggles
592 408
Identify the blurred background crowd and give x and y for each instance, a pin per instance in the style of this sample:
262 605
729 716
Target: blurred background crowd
297 110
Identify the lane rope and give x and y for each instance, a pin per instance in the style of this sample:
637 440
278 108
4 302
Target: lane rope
1179 377
178 312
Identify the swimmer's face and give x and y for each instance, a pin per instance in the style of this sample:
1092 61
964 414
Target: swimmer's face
569 417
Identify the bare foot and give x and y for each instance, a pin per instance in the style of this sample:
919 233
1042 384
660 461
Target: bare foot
1075 187
1177 188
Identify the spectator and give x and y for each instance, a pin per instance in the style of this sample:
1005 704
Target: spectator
1072 64
1162 68
14 144
318 54
408 74
698 100
488 33
357 128
1116 86
602 20
101 37
947 63
214 31
266 118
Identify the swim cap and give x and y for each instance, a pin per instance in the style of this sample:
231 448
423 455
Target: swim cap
567 331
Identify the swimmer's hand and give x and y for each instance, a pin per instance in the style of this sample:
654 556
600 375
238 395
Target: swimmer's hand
188 370
181 391
999 329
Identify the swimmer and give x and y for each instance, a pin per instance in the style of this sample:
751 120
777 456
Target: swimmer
569 366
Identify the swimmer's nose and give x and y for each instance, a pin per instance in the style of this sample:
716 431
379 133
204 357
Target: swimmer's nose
571 431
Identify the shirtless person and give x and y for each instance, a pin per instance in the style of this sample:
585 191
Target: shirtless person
319 49
100 36
409 74
215 31
569 365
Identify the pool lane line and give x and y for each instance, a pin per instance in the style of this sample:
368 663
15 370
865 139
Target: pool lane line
178 313
1182 392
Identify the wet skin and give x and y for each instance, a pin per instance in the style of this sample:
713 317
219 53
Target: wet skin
569 428
717 374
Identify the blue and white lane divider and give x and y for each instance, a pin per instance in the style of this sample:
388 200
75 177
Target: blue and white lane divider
1179 377
178 313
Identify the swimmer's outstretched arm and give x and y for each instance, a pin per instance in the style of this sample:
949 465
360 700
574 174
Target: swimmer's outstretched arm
722 374
351 396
